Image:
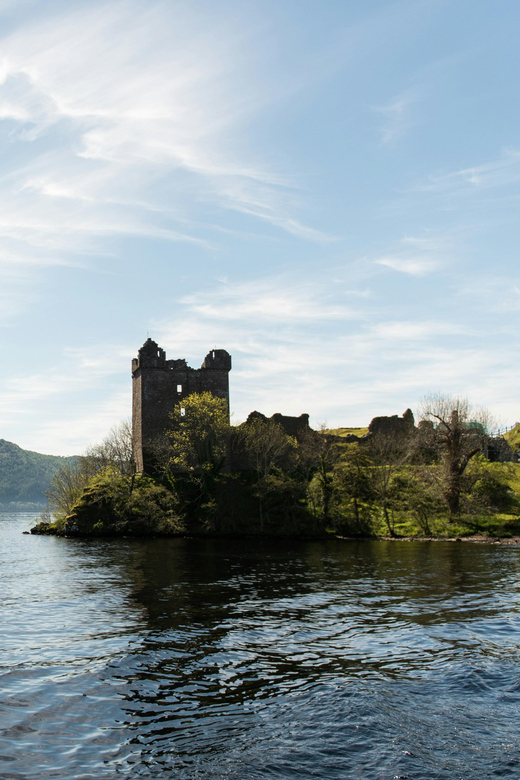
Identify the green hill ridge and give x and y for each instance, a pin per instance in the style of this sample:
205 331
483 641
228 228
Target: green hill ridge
25 475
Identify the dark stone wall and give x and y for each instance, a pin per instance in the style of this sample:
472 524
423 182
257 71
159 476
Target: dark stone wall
159 384
392 426
497 449
293 426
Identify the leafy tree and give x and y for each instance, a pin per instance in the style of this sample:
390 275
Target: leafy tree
412 493
114 455
389 452
353 488
267 451
108 506
317 459
266 445
490 487
199 433
457 433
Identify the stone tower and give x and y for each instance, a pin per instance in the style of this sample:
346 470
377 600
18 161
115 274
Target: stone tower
159 384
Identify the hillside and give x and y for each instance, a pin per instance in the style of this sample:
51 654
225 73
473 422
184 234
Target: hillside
513 437
347 431
25 475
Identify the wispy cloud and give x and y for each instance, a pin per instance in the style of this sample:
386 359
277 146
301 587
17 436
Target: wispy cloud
273 300
396 116
295 346
300 349
501 172
415 266
72 431
497 294
85 392
124 98
413 331
419 255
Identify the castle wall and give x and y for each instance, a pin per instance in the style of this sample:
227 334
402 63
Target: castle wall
159 384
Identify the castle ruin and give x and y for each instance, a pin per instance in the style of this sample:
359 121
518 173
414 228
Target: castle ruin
157 387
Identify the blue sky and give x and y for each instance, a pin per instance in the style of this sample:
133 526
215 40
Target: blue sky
328 190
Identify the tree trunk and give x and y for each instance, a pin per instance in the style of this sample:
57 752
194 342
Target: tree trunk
387 519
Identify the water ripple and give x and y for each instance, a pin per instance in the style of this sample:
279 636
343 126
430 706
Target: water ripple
204 659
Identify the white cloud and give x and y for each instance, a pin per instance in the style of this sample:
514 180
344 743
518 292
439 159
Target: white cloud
417 266
295 349
273 300
139 94
419 255
395 331
72 432
85 393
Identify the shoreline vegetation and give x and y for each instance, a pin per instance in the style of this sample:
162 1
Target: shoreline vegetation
210 479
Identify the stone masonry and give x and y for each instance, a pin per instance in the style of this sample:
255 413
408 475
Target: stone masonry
159 384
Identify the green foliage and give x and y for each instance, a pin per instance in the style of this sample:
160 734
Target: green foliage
269 453
359 432
113 455
199 433
114 504
456 432
256 480
513 437
491 491
266 447
415 498
353 491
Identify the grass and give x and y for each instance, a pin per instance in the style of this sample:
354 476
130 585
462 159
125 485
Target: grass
347 431
494 525
513 437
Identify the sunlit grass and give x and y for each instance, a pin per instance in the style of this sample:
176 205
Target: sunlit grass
347 431
513 437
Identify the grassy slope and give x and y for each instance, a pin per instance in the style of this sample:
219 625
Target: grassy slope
25 475
346 431
513 437
492 524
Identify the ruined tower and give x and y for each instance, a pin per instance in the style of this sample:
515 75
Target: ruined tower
159 384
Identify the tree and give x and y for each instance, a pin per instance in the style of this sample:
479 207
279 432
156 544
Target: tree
353 483
389 452
456 432
266 445
65 488
115 451
199 433
266 449
317 455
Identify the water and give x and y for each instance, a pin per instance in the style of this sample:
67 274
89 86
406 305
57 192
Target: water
193 659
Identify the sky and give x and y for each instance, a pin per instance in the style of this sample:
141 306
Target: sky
328 189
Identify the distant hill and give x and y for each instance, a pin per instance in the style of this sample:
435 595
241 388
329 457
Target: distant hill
25 475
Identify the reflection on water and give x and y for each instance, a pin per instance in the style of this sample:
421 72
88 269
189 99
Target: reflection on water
246 659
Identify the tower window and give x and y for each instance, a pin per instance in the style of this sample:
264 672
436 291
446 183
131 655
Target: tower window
179 388
183 412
